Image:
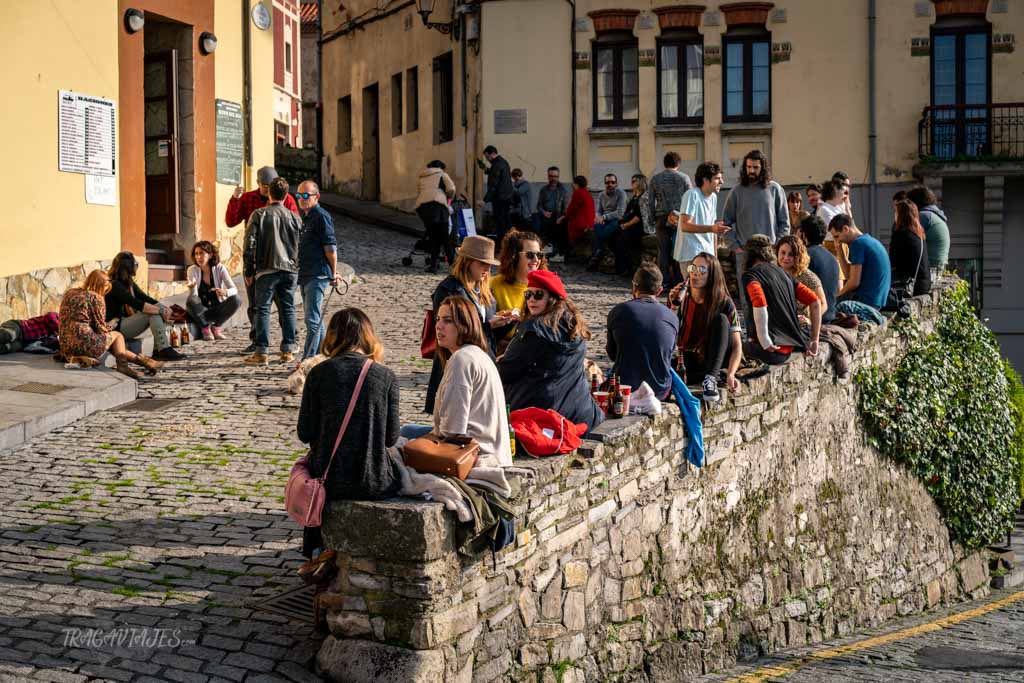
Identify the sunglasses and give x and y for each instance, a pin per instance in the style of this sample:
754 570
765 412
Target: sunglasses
537 294
307 195
697 269
532 255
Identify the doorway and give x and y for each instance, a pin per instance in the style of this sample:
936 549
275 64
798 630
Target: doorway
371 143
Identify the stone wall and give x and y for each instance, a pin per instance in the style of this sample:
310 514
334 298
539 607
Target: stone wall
631 564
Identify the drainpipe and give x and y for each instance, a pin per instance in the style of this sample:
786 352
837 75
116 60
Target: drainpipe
246 95
319 77
872 124
572 67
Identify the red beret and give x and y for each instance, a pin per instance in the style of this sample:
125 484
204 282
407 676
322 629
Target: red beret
545 279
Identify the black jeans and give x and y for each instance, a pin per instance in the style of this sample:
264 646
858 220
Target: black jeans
435 221
502 218
752 349
718 345
666 264
556 234
624 244
214 316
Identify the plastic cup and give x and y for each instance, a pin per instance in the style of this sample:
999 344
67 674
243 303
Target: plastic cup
625 390
602 401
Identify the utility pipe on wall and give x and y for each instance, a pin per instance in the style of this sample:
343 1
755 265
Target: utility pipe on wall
246 95
572 69
872 123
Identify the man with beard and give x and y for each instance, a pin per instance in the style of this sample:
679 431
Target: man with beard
757 206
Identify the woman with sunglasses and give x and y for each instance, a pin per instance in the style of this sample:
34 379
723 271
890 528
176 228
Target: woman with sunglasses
709 327
520 255
543 365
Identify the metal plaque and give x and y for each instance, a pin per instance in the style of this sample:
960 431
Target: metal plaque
509 121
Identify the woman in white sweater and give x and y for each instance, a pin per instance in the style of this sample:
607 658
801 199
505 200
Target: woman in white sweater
433 190
470 399
213 297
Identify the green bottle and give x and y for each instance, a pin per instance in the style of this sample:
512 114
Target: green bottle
511 431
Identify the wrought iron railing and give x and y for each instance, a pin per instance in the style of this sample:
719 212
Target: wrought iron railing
970 270
971 132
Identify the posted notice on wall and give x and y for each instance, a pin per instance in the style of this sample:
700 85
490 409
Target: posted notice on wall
101 189
87 134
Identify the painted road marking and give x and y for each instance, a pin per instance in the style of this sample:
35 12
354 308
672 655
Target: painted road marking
785 669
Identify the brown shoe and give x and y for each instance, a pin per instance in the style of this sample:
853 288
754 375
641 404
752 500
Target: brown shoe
256 359
152 366
125 369
287 356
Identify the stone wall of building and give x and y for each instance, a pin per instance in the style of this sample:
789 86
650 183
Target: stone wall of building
631 564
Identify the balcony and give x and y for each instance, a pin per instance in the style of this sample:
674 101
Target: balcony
971 132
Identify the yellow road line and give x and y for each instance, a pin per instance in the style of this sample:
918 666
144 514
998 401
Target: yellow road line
787 668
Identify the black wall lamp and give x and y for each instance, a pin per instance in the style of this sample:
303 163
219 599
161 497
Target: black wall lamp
134 20
207 43
425 9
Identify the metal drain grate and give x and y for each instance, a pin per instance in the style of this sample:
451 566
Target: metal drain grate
295 604
40 388
149 404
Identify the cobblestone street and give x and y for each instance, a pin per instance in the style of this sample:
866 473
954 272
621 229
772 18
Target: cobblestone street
173 519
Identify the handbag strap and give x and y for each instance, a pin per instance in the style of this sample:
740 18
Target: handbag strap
348 415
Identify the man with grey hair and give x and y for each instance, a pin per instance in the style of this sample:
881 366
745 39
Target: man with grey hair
240 207
642 335
318 263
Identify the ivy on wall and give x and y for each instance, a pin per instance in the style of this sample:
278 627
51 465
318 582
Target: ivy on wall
944 411
1015 392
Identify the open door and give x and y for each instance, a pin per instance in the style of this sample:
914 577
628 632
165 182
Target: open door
371 143
161 126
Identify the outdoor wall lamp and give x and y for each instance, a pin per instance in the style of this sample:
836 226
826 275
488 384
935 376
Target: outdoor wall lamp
207 43
425 8
134 20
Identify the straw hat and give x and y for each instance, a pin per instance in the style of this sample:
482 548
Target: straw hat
479 249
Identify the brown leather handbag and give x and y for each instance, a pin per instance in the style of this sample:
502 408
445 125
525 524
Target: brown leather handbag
452 456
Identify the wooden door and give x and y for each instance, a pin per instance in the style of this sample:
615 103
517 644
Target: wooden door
161 127
371 143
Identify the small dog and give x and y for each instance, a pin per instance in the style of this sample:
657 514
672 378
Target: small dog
593 371
297 379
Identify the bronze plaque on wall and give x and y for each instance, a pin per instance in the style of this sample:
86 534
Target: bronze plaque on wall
509 121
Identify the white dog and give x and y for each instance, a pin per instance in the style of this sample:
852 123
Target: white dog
297 379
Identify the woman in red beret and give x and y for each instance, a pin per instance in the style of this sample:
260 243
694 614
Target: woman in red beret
543 366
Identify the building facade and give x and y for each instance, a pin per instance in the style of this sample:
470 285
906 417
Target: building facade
287 74
130 117
310 68
892 93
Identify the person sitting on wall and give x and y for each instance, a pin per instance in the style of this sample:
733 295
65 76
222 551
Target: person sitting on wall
84 333
908 249
935 226
213 297
611 205
870 273
579 216
520 255
132 311
15 335
791 255
637 221
821 262
772 296
642 335
470 400
543 365
709 327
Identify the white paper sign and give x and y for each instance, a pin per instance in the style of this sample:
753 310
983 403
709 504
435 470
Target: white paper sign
87 134
101 189
467 217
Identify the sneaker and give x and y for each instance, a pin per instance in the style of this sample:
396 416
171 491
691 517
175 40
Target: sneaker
251 348
556 258
167 353
256 359
710 388
287 356
207 334
217 332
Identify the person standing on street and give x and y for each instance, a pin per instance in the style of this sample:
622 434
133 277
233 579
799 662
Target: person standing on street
318 264
757 206
667 189
240 208
522 215
552 201
500 191
697 222
271 266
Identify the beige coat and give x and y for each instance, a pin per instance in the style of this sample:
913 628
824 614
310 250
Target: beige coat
429 186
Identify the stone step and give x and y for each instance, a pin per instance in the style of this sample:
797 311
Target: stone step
1011 579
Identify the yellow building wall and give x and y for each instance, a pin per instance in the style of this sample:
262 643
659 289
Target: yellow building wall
47 47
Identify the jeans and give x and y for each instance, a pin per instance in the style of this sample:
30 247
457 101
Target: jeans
414 431
280 285
435 222
133 326
312 309
666 264
753 349
602 231
502 219
624 244
556 234
214 316
718 345
739 258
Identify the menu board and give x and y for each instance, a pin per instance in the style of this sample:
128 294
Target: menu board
229 142
87 134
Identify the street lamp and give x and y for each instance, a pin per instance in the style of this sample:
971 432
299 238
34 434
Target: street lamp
134 20
425 9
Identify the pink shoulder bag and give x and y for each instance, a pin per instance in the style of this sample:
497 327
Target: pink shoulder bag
304 495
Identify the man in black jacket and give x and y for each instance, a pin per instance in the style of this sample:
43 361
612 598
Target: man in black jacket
500 192
271 261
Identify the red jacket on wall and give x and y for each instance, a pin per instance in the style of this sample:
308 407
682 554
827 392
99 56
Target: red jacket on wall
580 213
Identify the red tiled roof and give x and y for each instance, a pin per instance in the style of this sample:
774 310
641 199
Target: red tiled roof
308 15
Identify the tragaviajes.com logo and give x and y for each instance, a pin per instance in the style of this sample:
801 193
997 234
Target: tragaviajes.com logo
151 638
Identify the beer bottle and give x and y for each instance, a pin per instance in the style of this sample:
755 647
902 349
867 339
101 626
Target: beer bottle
617 401
594 386
174 338
185 336
511 431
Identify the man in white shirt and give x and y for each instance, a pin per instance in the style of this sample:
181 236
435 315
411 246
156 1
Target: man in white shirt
697 219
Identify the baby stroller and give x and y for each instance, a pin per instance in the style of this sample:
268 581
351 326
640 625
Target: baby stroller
425 246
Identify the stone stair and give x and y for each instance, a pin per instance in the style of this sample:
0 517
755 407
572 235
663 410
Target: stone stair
1007 562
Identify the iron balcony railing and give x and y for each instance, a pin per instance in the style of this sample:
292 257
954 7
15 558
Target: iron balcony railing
971 132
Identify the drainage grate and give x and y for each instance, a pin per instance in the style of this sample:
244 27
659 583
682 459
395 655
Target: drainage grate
295 604
149 404
40 388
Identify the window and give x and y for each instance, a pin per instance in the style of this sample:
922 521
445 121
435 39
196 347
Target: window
616 82
746 61
344 143
681 80
444 100
412 99
961 75
287 57
280 133
396 105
